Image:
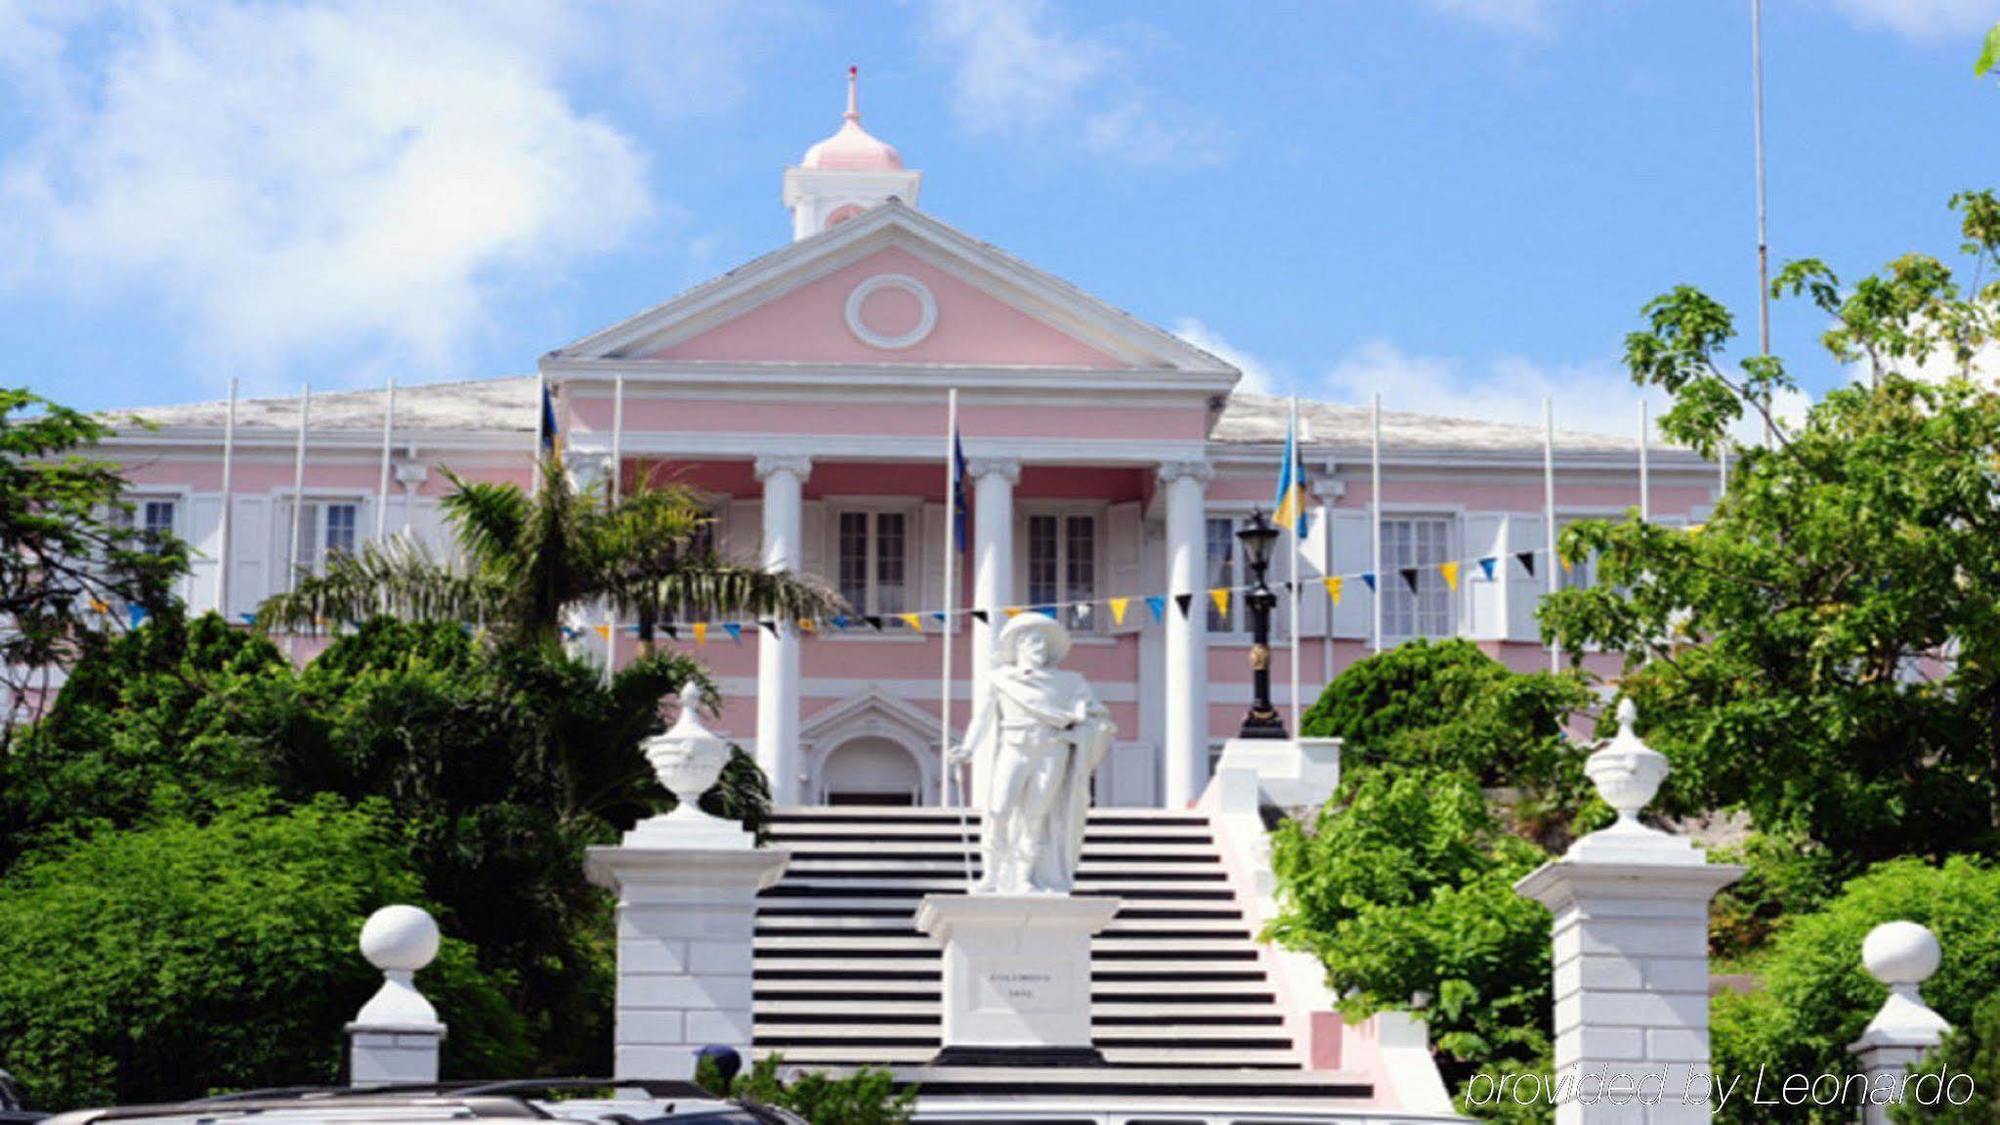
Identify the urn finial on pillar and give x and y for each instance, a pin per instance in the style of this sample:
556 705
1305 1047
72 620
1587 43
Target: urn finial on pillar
688 758
396 1034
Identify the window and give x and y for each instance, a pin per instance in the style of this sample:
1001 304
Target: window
154 519
1226 567
1421 544
874 563
1062 565
326 528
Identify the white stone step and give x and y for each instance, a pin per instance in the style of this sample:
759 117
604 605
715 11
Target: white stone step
831 1007
917 944
905 924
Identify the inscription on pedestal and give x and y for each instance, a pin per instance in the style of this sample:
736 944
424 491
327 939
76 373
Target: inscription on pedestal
1027 984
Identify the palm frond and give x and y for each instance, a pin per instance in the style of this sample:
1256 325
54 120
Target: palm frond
397 576
706 586
486 517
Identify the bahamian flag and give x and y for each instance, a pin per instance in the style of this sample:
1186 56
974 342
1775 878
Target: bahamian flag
551 437
1289 509
959 510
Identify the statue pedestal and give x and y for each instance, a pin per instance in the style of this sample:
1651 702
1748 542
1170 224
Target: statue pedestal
1016 977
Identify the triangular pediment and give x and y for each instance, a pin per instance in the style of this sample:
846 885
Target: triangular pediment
893 287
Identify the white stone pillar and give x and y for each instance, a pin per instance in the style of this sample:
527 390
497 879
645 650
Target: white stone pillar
993 481
687 886
1631 954
1902 955
784 480
396 1035
1186 750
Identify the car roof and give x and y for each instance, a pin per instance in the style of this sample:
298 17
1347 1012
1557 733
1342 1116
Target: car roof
630 1102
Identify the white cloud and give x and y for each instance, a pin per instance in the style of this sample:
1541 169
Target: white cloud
1927 20
1515 17
336 178
1020 74
1258 378
1595 397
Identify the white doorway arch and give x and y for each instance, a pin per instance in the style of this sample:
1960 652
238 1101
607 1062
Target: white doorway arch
871 770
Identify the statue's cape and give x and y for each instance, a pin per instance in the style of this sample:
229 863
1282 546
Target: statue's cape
1049 695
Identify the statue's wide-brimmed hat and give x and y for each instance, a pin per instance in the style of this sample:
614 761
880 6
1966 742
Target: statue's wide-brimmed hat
1022 626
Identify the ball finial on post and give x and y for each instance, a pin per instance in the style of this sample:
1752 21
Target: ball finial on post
397 1033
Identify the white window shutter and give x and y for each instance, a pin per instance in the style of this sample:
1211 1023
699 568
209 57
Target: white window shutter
740 535
1524 591
1483 600
1353 553
1312 593
1124 542
201 527
249 554
816 550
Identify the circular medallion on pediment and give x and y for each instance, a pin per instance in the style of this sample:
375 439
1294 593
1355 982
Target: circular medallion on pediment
891 311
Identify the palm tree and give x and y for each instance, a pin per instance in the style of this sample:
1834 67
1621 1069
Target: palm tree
525 560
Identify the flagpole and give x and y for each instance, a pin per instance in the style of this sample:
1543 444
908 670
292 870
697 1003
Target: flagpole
1645 477
298 506
1375 507
1549 511
617 487
1299 483
950 595
228 476
388 439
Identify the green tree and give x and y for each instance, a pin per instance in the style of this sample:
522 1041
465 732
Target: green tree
1971 1049
1815 996
531 558
1404 886
866 1097
68 551
181 958
1447 705
1824 652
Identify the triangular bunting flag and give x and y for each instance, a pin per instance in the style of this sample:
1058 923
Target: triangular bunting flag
1220 596
99 605
604 631
768 626
1013 611
1487 564
1334 586
248 618
136 615
1409 574
914 621
1118 606
1185 602
808 625
1450 572
1368 579
1082 612
840 621
939 616
874 621
1158 605
701 632
734 630
673 632
1047 611
1527 561
981 616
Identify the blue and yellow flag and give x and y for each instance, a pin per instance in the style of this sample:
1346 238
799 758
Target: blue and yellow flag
551 433
1289 509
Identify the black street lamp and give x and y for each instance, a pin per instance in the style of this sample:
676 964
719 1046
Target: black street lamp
1258 538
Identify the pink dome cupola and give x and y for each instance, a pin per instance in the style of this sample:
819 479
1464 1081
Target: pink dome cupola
846 174
852 149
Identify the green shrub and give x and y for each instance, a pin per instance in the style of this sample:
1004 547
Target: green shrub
1405 885
866 1097
175 959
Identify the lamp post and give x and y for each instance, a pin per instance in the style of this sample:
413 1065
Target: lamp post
1258 537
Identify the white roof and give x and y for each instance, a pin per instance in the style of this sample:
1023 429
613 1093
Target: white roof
502 406
1250 419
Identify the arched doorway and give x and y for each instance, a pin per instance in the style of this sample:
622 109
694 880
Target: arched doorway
871 770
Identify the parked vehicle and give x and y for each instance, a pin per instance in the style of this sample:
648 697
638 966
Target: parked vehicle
571 1101
12 1109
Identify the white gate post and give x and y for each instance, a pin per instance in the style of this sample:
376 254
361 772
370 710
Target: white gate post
396 1035
1631 954
1901 955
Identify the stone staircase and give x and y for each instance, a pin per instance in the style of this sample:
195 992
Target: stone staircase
1181 998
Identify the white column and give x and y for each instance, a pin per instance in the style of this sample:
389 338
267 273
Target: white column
1902 955
396 1035
1631 954
993 481
784 480
1186 751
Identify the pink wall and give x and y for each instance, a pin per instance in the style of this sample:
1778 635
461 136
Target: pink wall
977 421
809 325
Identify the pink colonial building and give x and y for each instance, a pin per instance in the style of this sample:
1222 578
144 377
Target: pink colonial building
805 391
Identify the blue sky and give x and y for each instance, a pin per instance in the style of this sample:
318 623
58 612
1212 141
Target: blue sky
1461 203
